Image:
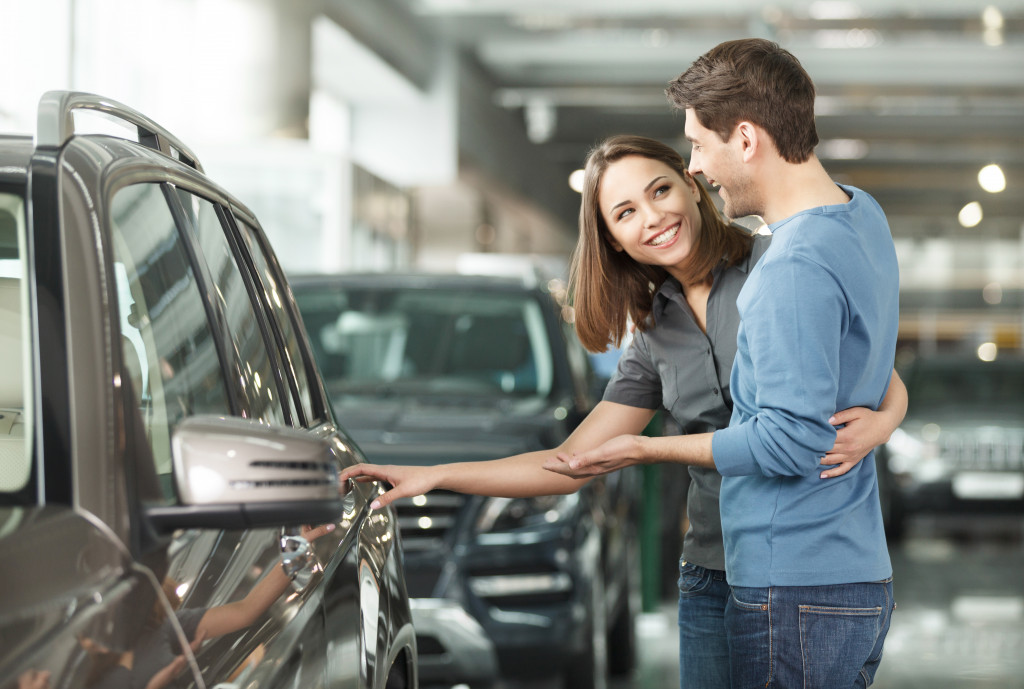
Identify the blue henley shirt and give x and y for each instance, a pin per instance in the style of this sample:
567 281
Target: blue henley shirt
818 324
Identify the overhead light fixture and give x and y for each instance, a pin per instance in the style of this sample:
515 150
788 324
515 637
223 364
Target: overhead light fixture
970 215
992 26
576 181
992 18
834 9
992 179
540 120
988 351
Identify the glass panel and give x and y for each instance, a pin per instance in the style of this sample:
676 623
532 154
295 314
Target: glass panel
383 341
276 297
165 335
255 366
15 454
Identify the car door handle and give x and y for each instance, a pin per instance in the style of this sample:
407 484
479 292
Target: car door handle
296 558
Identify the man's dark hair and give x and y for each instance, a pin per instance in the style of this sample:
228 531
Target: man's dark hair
751 79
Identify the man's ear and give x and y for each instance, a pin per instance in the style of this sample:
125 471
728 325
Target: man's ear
748 138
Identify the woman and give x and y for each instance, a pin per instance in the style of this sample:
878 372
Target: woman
653 250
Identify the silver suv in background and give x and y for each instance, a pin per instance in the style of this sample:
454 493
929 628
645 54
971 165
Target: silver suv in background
960 449
169 507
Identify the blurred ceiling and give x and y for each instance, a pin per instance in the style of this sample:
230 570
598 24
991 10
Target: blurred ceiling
914 96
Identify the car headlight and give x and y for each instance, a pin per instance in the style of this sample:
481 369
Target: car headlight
514 514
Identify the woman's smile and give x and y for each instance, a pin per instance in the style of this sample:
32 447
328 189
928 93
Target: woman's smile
665 237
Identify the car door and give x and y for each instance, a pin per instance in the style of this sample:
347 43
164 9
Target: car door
195 342
338 556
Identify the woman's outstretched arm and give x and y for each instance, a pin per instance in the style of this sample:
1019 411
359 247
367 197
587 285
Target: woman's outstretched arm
516 476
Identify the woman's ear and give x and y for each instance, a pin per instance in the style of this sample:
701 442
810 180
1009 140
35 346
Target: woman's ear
612 241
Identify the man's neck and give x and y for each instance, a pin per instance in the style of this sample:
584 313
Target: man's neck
794 187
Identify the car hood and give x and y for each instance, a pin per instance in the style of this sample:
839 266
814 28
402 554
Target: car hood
434 431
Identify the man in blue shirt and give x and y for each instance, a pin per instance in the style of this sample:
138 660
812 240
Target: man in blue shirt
806 559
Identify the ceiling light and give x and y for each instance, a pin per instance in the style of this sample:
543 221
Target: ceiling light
576 181
970 215
992 179
834 9
988 351
992 293
992 18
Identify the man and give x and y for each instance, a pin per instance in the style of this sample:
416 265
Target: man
806 558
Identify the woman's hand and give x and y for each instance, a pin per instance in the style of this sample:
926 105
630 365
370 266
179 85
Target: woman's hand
860 431
408 481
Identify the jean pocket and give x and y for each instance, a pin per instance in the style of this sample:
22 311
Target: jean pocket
837 642
693 578
748 598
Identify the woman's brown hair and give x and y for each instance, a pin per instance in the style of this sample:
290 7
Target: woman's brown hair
609 288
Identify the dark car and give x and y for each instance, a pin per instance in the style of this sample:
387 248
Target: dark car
441 368
960 448
169 507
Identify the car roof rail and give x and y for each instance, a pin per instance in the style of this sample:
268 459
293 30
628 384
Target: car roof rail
55 123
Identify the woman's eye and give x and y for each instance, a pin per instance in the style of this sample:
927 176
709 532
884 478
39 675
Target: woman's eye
661 190
624 213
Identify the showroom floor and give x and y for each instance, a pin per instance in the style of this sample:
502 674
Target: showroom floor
959 622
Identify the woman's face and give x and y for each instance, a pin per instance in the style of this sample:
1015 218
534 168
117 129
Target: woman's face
651 211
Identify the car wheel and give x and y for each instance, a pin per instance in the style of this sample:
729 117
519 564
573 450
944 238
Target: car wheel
589 670
396 678
622 646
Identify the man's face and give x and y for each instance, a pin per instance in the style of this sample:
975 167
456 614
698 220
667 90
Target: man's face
722 165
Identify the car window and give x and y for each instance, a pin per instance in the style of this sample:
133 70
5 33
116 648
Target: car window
263 399
432 341
15 455
166 339
276 298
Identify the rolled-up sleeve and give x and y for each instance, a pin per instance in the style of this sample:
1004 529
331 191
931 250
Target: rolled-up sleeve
792 323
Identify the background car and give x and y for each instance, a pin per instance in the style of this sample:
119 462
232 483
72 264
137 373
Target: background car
960 448
165 439
441 368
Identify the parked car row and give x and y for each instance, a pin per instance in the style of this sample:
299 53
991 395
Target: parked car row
439 368
169 507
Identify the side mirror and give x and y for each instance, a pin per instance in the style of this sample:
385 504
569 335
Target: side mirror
233 473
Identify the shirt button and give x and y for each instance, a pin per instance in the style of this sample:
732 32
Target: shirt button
715 391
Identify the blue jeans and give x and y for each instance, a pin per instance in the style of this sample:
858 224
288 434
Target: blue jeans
703 646
807 637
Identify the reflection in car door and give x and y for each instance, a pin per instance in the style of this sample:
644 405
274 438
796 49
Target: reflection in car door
341 600
182 291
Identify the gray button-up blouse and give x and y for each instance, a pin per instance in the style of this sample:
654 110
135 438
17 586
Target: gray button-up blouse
676 365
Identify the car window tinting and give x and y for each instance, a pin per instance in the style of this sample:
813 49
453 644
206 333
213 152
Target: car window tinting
262 398
275 297
15 454
166 339
383 341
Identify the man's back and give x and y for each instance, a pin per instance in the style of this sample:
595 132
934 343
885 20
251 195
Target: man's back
819 318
